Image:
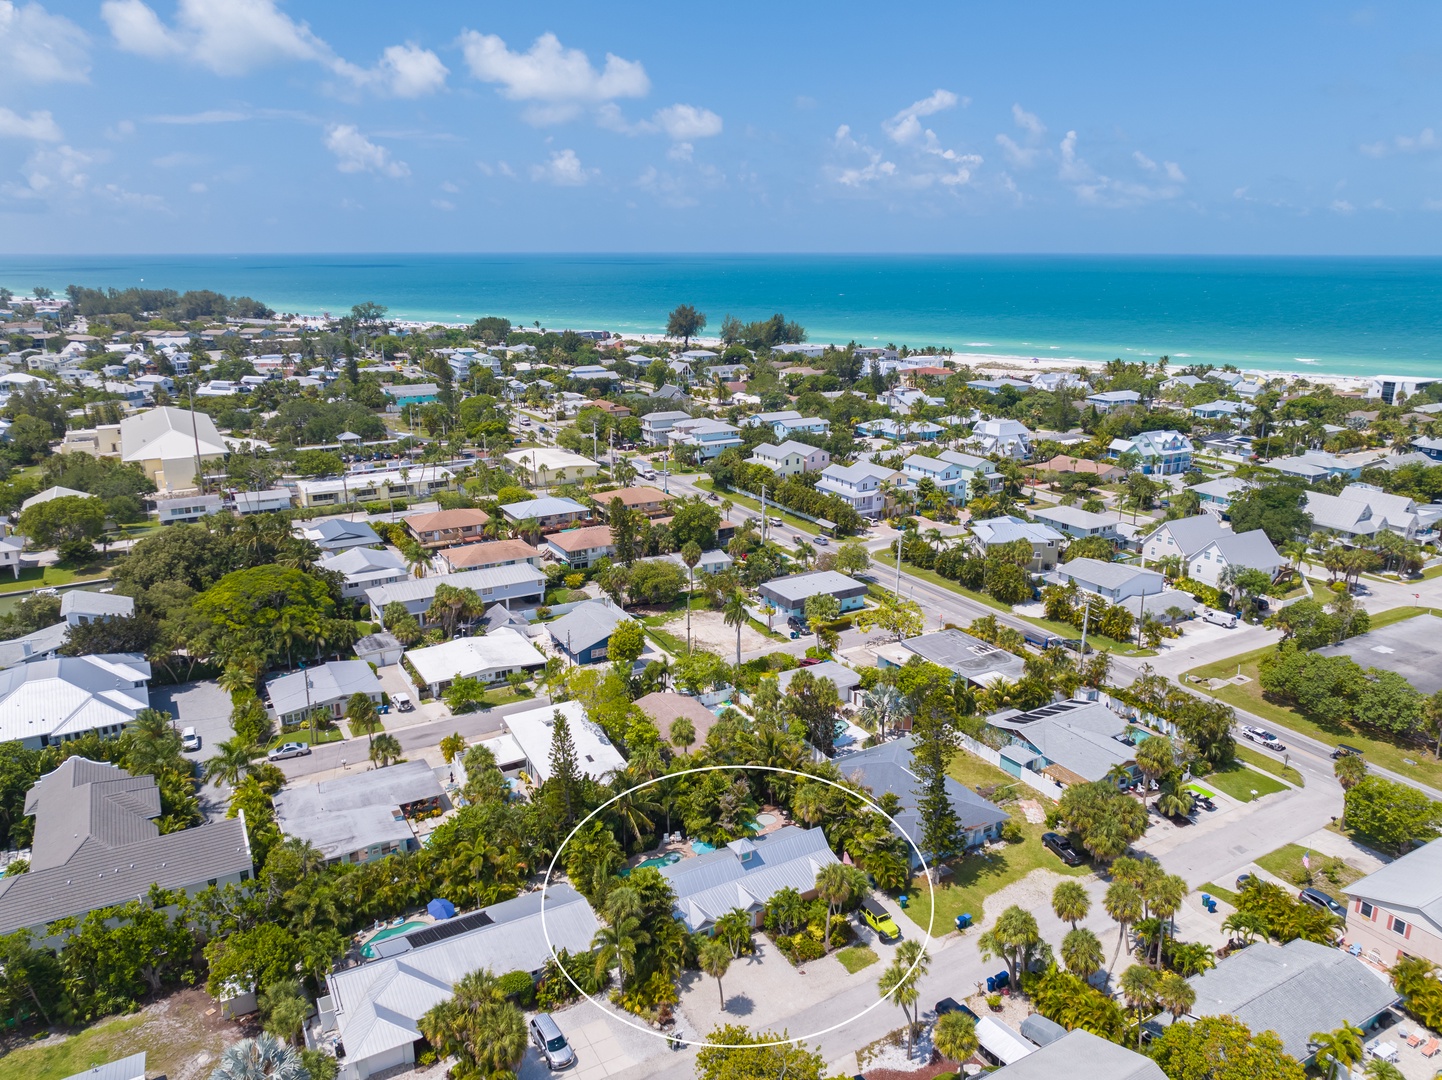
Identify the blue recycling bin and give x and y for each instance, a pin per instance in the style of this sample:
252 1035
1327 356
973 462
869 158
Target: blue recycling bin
903 900
963 920
991 984
1002 978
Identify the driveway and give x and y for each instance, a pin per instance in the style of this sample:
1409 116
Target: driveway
201 705
604 1045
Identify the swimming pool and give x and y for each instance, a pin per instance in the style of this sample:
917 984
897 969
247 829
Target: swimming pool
390 932
659 861
700 847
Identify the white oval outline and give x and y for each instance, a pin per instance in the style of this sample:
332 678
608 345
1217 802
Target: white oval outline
795 1040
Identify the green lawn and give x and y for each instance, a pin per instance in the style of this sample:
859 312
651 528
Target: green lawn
1404 758
1326 870
1272 764
1200 789
1220 892
50 577
93 1046
772 510
856 957
975 877
968 769
1239 782
303 735
670 642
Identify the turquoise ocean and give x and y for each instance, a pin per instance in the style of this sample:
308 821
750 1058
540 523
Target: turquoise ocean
1338 316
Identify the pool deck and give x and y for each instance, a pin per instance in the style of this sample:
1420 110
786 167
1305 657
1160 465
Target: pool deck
682 847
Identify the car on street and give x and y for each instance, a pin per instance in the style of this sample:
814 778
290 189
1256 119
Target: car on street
774 521
1061 847
555 1050
1074 645
879 919
1342 750
1220 618
1317 898
1263 737
821 541
288 750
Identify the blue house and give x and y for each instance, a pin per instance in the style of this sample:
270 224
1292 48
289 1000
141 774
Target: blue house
584 632
789 594
900 430
419 394
1160 453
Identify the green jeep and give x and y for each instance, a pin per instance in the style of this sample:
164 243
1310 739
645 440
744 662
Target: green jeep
879 919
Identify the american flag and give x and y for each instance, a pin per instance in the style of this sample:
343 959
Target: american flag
1306 860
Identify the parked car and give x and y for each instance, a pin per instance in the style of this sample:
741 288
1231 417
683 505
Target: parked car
1204 801
950 1005
808 661
403 702
1243 880
288 750
1062 848
1220 618
189 740
1317 898
1263 737
555 1050
879 919
1342 750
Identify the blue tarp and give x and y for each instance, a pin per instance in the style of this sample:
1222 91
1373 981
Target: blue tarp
441 909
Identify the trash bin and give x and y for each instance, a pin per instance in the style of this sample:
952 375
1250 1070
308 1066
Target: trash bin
963 921
991 984
902 900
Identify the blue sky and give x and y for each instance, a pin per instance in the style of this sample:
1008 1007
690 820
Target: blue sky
250 125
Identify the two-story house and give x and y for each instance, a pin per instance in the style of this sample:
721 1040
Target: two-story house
1160 453
708 437
447 528
1396 911
1206 547
656 427
953 473
801 425
790 458
1005 438
900 430
859 485
1111 399
1046 543
579 548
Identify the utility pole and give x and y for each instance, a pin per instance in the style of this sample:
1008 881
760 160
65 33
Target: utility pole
900 537
1086 615
763 513
594 455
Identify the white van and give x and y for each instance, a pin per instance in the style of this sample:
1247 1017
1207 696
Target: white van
1221 618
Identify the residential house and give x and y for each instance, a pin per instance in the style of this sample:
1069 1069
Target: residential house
583 634
547 465
519 586
1113 582
656 427
337 534
326 686
1430 447
1078 523
886 769
1362 511
382 650
1392 389
1005 438
126 1068
664 709
769 419
1396 912
645 500
43 644
746 874
417 394
1078 1055
953 473
49 702
1052 381
801 425
789 594
377 486
1222 410
56 492
547 513
447 528
373 1010
1293 990
534 729
790 458
711 562
364 568
270 501
361 817
670 395
994 386
79 607
96 844
1071 742
707 437
486 555
978 662
1314 465
187 508
12 553
171 446
1158 453
1104 471
859 485
491 658
1046 543
579 548
1111 399
1247 551
846 680
900 430
1216 495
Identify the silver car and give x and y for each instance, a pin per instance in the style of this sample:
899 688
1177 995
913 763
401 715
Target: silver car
555 1051
288 750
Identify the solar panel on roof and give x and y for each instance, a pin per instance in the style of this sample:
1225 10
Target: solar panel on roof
462 924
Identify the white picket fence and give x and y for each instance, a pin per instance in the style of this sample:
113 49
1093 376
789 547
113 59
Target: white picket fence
1044 785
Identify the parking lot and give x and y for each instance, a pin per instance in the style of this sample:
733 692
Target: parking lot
201 705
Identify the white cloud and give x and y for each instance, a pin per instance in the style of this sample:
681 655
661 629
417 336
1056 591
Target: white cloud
560 82
931 163
408 71
443 204
355 153
209 116
1426 139
682 151
564 170
1342 206
905 126
1028 122
233 37
198 188
38 47
1098 189
450 188
39 126
687 122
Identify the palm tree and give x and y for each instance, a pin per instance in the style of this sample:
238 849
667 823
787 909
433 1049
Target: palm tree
1123 902
1138 986
616 945
1350 770
1070 902
385 748
1337 1051
1156 757
1014 938
734 614
954 1036
1245 925
838 884
234 761
1377 1069
714 958
1164 899
262 1058
901 981
1082 953
690 555
1192 958
1175 994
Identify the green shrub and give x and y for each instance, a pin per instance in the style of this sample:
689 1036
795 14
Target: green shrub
519 986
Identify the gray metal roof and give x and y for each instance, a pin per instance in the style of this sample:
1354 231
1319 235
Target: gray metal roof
1080 1055
379 1003
126 1068
488 577
96 845
84 602
72 694
887 768
588 624
1077 735
969 657
1293 990
797 588
1411 884
708 886
1075 517
353 812
541 508
1412 648
338 530
334 681
39 645
1249 549
839 675
1105 575
1193 533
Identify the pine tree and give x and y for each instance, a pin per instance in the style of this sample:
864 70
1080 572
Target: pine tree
565 781
623 532
935 733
